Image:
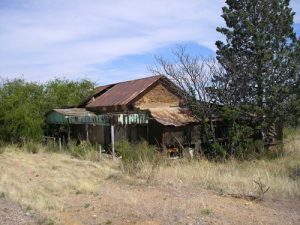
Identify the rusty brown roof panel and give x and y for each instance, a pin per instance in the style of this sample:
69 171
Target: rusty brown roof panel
172 116
102 88
122 93
97 92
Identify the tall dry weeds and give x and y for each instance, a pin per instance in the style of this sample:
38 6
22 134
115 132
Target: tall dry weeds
281 174
46 180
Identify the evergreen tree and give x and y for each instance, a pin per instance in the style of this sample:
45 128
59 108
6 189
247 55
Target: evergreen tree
260 59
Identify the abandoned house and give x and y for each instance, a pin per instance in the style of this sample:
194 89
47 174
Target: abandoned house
143 109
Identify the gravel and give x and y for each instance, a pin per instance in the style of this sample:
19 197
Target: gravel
13 214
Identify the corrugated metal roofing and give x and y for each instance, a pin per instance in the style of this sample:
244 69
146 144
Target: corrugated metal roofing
97 92
82 116
172 116
121 93
102 88
74 112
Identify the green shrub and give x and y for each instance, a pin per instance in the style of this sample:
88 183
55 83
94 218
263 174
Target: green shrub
206 211
85 151
135 156
51 147
219 150
31 147
77 151
24 105
294 172
2 143
2 149
290 132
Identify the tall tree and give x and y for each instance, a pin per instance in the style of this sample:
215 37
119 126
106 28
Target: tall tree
260 59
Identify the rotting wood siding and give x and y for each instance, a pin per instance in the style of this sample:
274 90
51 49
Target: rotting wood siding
185 135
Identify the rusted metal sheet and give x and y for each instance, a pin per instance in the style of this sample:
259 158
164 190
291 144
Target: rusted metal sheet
102 88
82 116
97 92
74 112
120 94
172 116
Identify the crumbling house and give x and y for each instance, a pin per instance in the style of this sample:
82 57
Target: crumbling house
144 109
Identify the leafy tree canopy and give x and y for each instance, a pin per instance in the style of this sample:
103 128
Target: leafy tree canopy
24 104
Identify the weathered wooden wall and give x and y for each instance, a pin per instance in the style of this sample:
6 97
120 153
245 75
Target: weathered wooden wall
101 134
158 96
96 133
186 136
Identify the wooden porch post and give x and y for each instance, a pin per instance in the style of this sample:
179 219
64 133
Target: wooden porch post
69 134
87 131
112 133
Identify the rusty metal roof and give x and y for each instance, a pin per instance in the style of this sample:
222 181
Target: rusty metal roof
102 88
82 116
98 91
121 93
172 116
74 112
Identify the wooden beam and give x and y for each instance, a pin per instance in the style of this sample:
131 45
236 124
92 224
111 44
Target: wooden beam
69 134
59 143
112 133
87 131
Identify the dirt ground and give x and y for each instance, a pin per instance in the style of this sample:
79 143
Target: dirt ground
13 214
148 205
127 204
69 191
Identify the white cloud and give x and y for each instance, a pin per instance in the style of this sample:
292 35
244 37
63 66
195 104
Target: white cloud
47 38
67 37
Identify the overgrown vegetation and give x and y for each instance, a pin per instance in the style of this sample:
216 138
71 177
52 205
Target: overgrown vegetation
273 172
135 157
84 150
24 105
252 85
56 176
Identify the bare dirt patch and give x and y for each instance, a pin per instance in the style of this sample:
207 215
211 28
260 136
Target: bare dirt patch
79 192
13 214
128 204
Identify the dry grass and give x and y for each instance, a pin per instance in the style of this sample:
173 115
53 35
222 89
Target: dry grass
233 177
45 181
281 174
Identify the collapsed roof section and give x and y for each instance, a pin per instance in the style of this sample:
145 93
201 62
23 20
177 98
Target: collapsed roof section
172 116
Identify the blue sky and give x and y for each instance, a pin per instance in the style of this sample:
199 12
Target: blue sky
105 41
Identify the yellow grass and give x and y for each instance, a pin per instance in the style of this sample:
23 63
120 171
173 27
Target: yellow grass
282 174
46 181
232 177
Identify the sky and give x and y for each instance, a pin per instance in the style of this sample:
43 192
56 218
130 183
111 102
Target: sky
103 40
